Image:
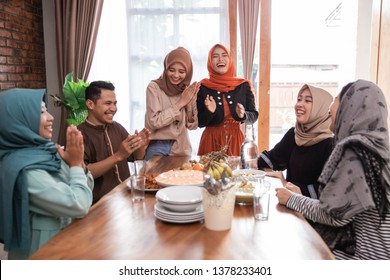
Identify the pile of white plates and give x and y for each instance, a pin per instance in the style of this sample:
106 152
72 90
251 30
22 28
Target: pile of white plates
179 204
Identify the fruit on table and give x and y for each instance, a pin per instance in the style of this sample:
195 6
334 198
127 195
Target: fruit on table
186 166
192 165
215 169
198 166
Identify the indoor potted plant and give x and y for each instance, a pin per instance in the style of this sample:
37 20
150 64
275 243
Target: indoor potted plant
73 100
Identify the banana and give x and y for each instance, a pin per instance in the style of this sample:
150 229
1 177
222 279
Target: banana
220 167
229 170
216 168
217 174
224 165
210 171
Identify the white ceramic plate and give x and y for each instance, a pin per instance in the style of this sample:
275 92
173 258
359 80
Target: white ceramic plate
178 218
180 195
181 177
178 221
174 217
162 210
179 207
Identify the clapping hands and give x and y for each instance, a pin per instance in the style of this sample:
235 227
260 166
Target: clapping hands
73 154
210 104
133 143
188 96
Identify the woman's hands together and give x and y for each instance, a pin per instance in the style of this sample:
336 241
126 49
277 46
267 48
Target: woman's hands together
284 194
73 154
188 97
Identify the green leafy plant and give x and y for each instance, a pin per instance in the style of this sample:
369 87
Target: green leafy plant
73 100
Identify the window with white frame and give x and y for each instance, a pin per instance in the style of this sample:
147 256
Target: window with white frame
134 38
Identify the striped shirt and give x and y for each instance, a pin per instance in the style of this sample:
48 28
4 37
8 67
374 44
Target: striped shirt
372 240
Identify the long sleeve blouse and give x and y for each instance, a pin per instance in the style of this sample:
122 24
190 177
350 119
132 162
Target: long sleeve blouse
372 238
303 164
166 121
55 199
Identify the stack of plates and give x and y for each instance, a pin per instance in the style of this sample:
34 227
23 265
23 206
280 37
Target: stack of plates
179 204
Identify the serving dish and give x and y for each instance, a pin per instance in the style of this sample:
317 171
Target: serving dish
244 193
247 178
180 177
182 195
249 173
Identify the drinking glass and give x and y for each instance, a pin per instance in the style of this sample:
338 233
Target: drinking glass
261 198
139 167
138 188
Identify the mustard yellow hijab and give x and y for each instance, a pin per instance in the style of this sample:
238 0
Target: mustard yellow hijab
317 127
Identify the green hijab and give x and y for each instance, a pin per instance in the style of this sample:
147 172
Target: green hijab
21 148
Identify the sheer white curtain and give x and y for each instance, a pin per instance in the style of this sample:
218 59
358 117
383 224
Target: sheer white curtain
248 11
248 18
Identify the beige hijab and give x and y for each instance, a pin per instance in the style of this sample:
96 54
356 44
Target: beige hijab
182 56
317 127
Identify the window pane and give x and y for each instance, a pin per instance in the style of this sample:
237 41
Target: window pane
155 28
317 47
150 3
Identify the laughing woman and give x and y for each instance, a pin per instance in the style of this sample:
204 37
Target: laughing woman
355 195
224 102
304 149
42 186
170 107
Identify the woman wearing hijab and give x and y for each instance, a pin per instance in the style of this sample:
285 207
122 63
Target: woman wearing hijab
305 148
355 192
42 187
223 103
170 108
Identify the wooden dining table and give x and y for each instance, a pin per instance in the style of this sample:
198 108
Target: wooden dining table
117 228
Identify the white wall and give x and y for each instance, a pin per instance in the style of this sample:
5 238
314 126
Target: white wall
363 40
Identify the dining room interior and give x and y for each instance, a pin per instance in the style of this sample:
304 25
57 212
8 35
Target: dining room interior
344 41
326 43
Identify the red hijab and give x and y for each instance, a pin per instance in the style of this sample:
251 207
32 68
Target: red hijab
224 82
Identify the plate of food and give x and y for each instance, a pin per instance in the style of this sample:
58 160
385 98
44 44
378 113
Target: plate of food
180 177
151 184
